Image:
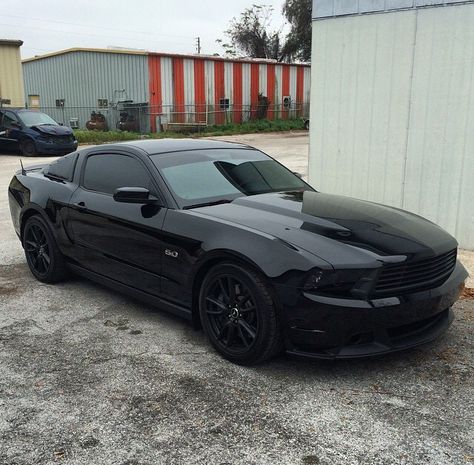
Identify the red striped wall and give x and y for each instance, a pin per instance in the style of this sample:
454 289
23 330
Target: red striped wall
154 71
299 84
173 83
200 90
254 85
178 88
285 87
219 91
271 90
237 91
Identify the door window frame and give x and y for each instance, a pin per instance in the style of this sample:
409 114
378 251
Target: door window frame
155 192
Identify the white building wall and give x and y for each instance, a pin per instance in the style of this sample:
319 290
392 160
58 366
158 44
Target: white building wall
188 71
246 72
167 84
228 81
210 89
392 111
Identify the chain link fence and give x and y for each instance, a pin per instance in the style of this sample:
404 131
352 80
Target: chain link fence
145 118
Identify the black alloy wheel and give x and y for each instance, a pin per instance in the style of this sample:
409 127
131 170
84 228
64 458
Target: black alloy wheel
28 148
238 314
42 254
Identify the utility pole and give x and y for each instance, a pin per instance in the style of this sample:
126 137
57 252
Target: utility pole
198 45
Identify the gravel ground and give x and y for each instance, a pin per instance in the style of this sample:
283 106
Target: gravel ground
88 376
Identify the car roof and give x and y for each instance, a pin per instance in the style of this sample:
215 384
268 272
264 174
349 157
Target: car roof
19 110
157 146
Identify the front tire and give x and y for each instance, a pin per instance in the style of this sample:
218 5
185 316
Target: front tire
43 256
238 314
28 148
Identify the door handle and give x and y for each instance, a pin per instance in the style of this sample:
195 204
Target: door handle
80 205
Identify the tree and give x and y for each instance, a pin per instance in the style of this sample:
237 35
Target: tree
298 41
251 35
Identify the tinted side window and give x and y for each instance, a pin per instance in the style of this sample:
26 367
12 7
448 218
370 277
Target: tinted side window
106 173
63 168
8 119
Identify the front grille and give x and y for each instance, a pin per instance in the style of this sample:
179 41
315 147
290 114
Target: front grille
62 139
415 276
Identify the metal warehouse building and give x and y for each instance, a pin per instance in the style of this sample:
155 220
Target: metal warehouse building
392 106
161 88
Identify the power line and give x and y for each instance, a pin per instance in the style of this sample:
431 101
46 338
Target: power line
121 30
88 34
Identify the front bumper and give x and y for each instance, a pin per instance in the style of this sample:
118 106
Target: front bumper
56 148
326 327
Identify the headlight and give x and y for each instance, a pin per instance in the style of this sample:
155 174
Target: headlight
333 282
318 278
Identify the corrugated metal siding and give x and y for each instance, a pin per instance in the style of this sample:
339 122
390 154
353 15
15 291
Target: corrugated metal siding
440 153
167 85
200 90
228 84
330 8
154 71
173 85
189 99
271 89
11 76
210 94
262 79
392 112
237 92
278 89
83 77
292 92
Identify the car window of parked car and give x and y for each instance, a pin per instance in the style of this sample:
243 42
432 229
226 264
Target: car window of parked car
205 175
9 118
107 172
62 168
36 118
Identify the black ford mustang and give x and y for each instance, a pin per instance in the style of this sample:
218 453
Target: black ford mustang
225 236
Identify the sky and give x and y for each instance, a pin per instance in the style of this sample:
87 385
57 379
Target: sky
154 25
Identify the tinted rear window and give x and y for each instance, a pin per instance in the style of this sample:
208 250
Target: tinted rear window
63 168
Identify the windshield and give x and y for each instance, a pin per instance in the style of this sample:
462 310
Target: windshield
36 118
205 176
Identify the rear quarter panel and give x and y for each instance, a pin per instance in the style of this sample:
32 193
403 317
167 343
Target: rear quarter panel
33 193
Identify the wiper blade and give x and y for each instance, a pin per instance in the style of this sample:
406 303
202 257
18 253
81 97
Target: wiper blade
207 204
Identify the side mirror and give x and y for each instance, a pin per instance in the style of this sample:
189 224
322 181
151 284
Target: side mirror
297 174
134 195
15 124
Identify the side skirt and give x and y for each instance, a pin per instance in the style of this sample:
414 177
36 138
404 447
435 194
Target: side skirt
170 307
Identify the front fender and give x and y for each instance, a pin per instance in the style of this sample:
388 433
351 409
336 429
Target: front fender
209 239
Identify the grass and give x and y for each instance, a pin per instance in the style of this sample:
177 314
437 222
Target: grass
101 137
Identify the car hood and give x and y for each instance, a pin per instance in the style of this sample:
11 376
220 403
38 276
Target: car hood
341 230
53 130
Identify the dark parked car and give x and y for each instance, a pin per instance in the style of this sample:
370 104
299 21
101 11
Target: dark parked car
33 132
227 237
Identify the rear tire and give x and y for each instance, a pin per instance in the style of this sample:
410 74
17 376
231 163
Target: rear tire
28 148
239 315
43 256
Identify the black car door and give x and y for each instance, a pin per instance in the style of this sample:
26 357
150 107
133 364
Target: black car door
119 240
10 130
